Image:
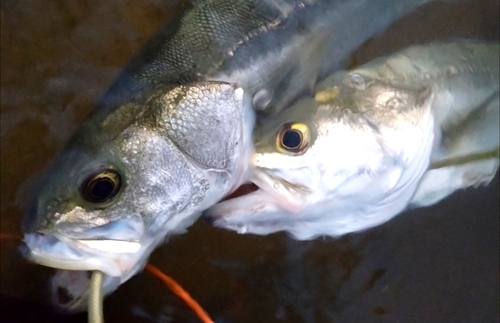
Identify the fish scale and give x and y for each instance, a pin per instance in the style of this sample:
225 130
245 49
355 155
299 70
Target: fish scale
186 133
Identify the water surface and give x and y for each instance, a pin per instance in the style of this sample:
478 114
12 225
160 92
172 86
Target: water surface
439 264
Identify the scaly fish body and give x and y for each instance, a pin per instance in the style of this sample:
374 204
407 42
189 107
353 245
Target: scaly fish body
151 157
358 153
276 48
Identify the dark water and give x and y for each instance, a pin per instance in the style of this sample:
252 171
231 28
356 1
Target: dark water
438 264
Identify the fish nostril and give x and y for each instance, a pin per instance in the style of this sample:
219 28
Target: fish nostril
63 296
37 215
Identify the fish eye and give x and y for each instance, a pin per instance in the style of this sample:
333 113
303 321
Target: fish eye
101 187
261 99
355 81
293 138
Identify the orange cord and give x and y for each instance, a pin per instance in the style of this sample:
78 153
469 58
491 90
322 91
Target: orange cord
180 292
9 236
169 281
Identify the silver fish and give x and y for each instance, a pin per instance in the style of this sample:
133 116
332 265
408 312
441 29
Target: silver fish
156 151
408 129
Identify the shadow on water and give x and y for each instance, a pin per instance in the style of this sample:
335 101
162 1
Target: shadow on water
438 264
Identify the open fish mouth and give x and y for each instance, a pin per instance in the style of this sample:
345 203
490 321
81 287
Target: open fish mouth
112 257
289 196
258 204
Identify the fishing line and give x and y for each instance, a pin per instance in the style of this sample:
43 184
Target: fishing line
96 296
9 236
95 313
462 160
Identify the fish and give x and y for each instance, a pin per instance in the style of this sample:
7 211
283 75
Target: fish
401 131
172 135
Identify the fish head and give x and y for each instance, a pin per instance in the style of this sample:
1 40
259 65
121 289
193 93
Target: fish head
339 162
135 174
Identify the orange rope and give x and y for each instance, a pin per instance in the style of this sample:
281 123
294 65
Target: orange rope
10 236
180 292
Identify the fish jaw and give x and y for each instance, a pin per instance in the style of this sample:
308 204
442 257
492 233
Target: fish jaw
120 259
275 197
252 213
290 197
113 257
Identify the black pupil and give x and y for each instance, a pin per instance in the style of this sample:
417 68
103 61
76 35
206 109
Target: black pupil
291 139
102 188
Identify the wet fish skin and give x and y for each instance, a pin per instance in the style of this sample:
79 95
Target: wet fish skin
279 47
471 70
465 110
373 133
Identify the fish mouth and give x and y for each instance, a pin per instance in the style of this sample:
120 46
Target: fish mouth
112 257
259 203
240 191
289 196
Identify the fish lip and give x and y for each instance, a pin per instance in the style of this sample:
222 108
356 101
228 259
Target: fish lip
271 189
60 252
260 215
289 196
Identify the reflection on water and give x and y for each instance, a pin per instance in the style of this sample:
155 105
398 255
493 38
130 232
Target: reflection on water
438 264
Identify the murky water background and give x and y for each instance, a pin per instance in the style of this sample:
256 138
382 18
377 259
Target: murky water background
439 264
